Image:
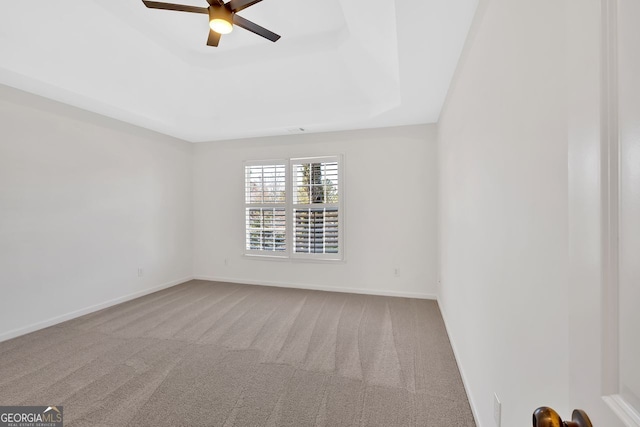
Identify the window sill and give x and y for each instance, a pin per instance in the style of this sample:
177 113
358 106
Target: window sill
294 259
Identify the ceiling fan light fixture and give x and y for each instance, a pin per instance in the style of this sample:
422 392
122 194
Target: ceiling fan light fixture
220 19
221 26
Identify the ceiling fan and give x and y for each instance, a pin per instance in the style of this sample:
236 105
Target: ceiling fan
222 17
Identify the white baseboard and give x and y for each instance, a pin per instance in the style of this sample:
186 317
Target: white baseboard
77 313
81 312
474 409
320 288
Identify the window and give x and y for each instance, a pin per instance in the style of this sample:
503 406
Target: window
265 208
315 207
293 208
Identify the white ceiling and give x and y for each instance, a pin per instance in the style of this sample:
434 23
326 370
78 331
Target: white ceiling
340 64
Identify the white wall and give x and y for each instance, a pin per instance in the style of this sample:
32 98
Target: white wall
405 193
84 202
504 209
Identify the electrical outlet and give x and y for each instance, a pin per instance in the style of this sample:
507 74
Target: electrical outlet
140 272
396 272
497 409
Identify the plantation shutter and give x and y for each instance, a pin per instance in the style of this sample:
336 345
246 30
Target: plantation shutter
316 207
265 208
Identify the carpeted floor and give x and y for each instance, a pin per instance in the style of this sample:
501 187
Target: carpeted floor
220 354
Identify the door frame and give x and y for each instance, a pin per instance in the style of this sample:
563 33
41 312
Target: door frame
610 162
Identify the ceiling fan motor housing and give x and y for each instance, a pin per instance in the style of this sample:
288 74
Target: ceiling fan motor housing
220 12
222 17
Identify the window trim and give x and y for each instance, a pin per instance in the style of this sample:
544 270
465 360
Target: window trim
246 205
291 208
289 253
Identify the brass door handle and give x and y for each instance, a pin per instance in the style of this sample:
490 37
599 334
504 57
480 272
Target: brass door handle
547 417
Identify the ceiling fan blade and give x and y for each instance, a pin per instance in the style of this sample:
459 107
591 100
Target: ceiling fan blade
214 39
178 7
238 5
216 2
254 28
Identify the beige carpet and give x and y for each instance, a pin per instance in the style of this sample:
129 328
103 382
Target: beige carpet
219 354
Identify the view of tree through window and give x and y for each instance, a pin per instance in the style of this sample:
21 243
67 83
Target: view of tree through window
316 208
318 184
304 207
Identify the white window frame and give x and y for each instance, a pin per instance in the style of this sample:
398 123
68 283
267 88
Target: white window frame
339 205
289 253
275 205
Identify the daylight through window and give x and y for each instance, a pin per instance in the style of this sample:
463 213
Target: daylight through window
265 208
293 208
